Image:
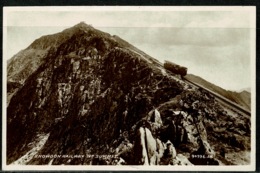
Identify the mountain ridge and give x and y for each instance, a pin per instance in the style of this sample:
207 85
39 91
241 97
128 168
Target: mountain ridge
242 98
96 94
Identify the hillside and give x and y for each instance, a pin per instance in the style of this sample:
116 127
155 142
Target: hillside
92 98
242 98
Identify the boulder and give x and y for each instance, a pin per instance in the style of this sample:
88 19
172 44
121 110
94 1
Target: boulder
124 150
182 160
205 155
169 154
155 121
147 150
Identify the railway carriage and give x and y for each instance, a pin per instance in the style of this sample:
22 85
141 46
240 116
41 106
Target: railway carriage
175 68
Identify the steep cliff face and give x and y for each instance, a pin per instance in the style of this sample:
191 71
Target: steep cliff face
95 94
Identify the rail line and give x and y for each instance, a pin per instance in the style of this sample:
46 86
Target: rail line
224 101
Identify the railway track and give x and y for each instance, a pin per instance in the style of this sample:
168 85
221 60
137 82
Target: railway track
222 100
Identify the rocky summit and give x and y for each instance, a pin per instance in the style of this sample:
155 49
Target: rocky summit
84 97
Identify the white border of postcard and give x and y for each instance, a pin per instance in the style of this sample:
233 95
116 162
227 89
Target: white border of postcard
249 9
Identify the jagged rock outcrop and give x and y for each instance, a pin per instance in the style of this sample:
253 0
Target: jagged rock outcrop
98 96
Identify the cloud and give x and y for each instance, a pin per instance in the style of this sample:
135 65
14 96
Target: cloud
212 44
184 36
135 17
219 19
228 67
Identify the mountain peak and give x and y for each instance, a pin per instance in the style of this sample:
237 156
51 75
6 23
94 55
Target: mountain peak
90 93
82 24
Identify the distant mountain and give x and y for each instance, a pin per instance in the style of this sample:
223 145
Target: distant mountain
242 98
83 92
244 89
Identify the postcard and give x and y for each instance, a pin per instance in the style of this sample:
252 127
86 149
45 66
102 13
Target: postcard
129 88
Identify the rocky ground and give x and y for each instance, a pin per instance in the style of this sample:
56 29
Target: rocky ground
36 147
99 97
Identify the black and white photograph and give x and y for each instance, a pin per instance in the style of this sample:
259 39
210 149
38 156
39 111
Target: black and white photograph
129 88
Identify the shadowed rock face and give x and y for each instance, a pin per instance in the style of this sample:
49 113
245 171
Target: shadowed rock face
92 92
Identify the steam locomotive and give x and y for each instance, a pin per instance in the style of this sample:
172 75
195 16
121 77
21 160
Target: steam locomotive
175 68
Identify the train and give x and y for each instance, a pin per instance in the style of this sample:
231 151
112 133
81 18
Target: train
175 68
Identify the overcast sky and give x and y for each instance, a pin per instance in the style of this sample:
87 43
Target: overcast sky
213 43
